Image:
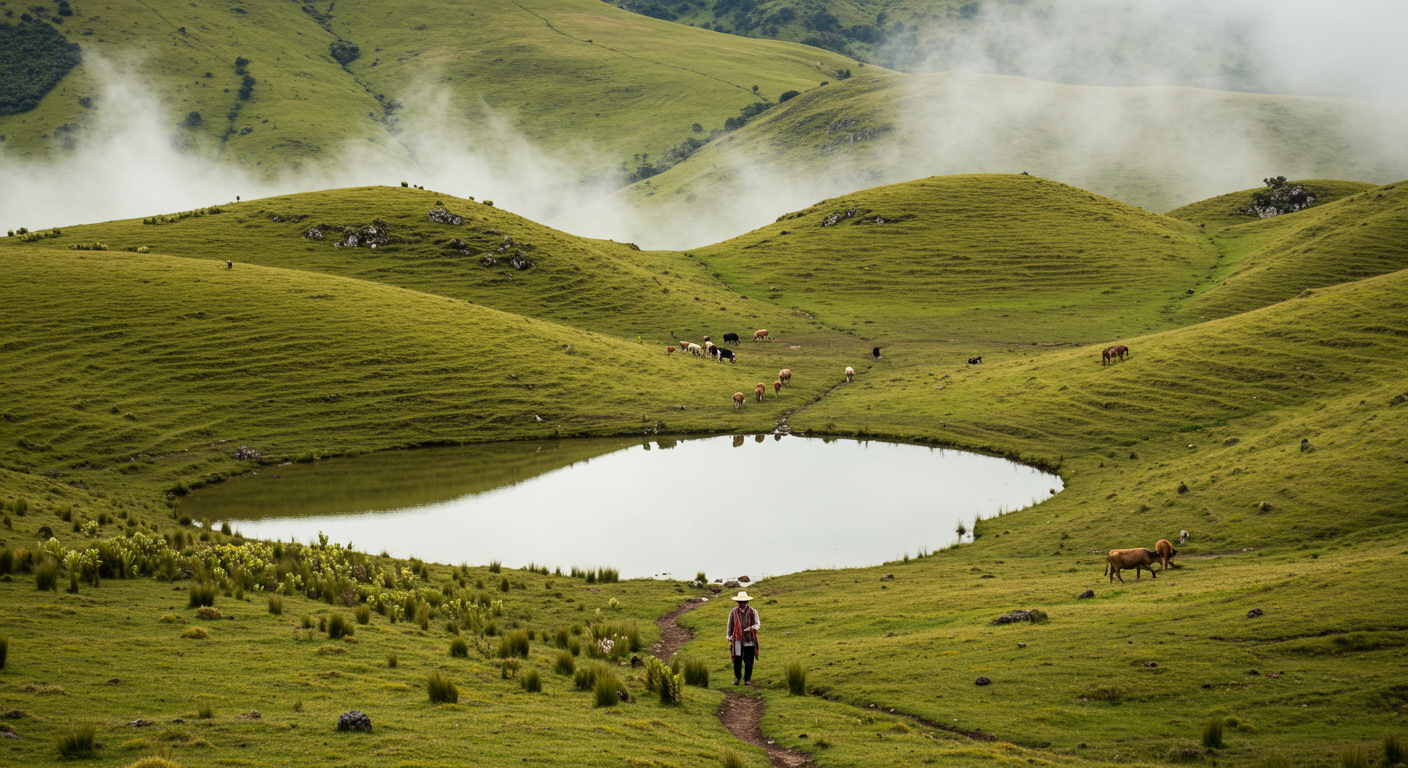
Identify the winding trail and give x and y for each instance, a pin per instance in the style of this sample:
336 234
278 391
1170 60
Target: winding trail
740 713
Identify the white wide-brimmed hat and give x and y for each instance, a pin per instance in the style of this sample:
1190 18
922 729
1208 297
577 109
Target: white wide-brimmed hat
742 597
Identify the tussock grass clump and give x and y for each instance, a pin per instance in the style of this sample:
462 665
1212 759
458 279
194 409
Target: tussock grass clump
441 689
1275 760
495 566
152 761
514 643
276 605
201 594
196 633
391 660
1393 745
205 711
564 664
531 681
604 689
363 614
4 650
46 576
209 613
423 616
731 759
78 741
1212 733
696 673
796 678
338 627
1354 756
459 649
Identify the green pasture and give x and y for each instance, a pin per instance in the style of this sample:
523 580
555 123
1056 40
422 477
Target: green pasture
1272 431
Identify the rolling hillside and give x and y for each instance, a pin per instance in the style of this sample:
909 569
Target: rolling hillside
1274 436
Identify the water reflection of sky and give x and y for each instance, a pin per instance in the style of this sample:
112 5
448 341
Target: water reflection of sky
756 509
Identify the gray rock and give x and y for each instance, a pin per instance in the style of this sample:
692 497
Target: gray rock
1255 612
982 681
354 720
1086 594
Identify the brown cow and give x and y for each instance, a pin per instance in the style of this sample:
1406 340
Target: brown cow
762 335
777 389
1165 550
1109 354
669 351
759 391
738 400
785 376
1138 559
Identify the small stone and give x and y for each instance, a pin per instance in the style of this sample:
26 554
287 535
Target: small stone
1021 645
744 579
141 723
1255 612
1086 594
888 577
354 720
9 735
982 680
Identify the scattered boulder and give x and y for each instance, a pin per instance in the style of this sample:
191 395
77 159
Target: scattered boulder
888 577
1021 645
1305 446
141 723
1035 616
1264 506
982 680
245 131
1255 612
314 234
442 216
520 263
1398 400
505 245
744 579
253 714
354 720
245 453
731 584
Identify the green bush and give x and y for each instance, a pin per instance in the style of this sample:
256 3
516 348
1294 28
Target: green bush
391 660
423 616
1212 734
276 605
495 566
565 664
459 648
77 741
663 681
363 613
514 643
531 681
201 594
46 575
343 52
604 689
441 689
1393 746
796 678
338 627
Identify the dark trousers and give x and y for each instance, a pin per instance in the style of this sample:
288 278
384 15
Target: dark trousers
743 665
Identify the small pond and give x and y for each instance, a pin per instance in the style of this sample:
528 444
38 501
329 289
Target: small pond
758 505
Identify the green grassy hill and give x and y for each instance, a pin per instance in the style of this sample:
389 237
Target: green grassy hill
1274 436
1113 141
561 70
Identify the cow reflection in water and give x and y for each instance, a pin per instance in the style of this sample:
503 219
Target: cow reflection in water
759 438
738 441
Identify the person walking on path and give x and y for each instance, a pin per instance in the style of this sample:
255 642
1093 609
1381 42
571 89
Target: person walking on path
743 626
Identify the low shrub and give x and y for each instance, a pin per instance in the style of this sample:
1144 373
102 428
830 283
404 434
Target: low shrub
1212 733
195 633
276 605
391 660
209 613
78 741
565 664
441 689
531 681
201 594
513 643
423 616
5 650
696 673
604 689
663 681
1354 756
338 627
46 575
459 648
363 613
585 677
796 678
1275 760
205 711
495 566
153 761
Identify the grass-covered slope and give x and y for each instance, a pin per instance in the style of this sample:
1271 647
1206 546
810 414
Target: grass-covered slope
572 71
975 259
1114 141
1343 239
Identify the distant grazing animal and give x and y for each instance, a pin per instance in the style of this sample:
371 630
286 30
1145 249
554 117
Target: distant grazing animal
1182 537
850 373
1165 551
1109 354
777 389
785 376
694 349
1138 559
706 339
975 360
759 390
738 400
730 337
669 350
723 354
876 353
762 335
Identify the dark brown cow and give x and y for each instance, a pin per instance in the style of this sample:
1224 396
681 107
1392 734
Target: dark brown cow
1166 552
1139 559
777 389
1109 354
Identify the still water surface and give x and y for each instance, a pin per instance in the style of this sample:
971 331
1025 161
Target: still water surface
729 506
